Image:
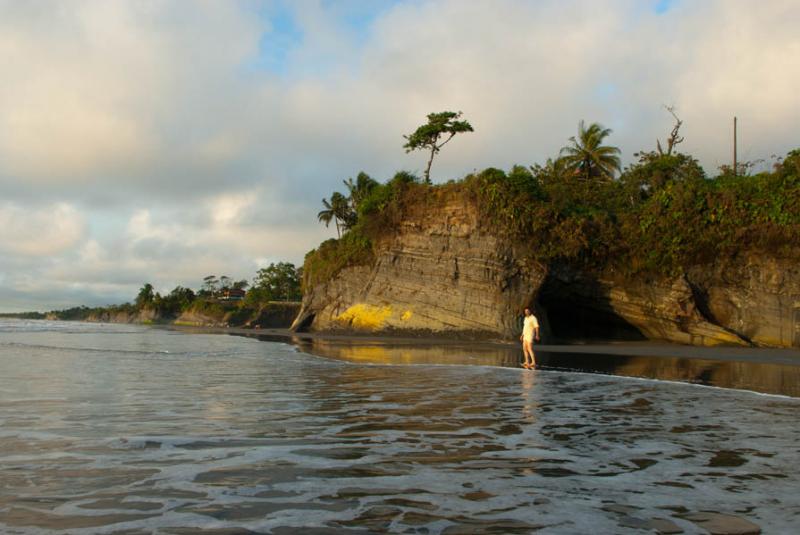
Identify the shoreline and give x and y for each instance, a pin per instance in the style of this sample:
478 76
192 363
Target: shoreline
644 348
754 355
763 370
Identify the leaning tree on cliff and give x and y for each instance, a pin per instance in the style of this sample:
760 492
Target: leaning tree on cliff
440 128
587 157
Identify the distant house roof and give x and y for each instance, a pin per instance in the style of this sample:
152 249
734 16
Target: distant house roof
232 293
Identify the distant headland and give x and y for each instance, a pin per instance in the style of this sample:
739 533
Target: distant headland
271 300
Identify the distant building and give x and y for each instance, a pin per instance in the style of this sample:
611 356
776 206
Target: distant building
231 294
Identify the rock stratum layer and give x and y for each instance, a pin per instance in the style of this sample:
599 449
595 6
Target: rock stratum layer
443 272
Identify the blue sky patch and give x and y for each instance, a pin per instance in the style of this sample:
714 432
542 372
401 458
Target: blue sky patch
662 6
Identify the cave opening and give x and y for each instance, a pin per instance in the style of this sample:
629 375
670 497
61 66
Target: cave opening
584 317
305 324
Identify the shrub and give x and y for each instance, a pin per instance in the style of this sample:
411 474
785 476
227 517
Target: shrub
324 262
662 215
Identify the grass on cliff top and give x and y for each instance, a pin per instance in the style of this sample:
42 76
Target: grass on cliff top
661 216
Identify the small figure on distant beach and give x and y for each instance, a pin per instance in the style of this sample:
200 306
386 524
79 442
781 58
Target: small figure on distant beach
530 332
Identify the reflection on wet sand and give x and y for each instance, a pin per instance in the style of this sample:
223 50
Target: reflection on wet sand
387 352
758 377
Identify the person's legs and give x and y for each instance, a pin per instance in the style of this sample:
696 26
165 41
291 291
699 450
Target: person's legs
533 355
527 350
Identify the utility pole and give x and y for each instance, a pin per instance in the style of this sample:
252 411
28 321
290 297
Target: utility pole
735 169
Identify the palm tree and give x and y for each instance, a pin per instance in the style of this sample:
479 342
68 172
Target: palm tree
327 215
359 188
339 211
145 296
588 157
342 211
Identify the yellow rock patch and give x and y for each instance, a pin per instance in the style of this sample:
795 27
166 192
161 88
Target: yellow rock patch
367 317
406 315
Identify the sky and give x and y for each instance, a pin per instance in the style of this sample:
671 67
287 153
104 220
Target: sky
162 141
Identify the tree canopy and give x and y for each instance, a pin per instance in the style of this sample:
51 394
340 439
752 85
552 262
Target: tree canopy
343 209
359 189
433 135
145 296
210 285
278 281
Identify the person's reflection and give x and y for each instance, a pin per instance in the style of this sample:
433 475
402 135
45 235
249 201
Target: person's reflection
527 392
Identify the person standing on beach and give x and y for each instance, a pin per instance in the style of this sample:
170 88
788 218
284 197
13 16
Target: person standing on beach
530 331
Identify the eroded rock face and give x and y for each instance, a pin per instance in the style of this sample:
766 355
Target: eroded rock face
660 308
755 295
194 319
439 274
146 315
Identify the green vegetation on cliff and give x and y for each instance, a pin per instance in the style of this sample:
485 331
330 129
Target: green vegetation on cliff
661 215
370 211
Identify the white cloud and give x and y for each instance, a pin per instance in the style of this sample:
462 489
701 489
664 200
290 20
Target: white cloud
93 89
42 231
169 249
227 209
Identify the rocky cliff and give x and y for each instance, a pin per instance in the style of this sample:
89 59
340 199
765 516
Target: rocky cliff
437 273
270 315
584 304
443 271
144 316
755 295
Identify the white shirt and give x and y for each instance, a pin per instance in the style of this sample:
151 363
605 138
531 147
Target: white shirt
528 327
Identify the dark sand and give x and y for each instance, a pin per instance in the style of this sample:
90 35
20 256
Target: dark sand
758 355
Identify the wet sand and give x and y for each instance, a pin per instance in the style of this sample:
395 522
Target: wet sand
763 355
763 370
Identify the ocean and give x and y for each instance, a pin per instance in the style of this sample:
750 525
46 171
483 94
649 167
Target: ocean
129 429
